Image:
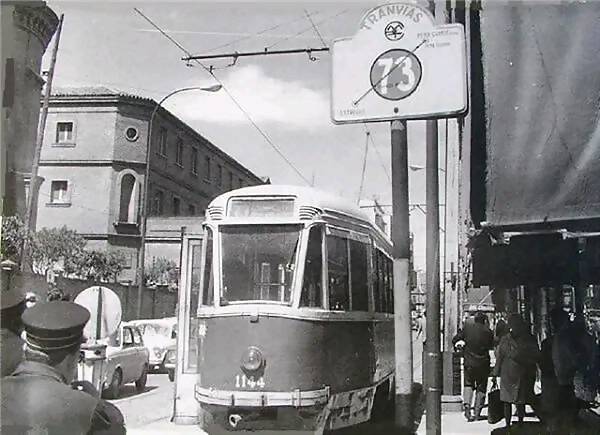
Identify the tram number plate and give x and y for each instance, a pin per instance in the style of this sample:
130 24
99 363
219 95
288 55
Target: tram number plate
243 381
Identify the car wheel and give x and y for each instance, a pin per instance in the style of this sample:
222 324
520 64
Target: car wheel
112 392
140 384
171 375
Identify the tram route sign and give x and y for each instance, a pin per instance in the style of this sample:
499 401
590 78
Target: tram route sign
399 65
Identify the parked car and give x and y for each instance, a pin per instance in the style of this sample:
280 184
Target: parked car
126 361
159 335
170 362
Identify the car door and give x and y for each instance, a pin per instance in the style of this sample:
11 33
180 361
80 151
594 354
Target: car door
128 356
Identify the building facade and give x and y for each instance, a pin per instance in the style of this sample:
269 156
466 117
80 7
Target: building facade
27 28
93 164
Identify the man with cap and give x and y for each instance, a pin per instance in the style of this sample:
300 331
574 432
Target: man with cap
12 305
477 340
38 396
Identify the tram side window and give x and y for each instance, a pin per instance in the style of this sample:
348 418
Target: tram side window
384 282
312 295
359 276
390 285
378 287
207 289
337 267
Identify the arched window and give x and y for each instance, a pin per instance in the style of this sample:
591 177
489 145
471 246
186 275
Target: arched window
128 203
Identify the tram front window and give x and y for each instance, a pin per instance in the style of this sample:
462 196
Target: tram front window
258 262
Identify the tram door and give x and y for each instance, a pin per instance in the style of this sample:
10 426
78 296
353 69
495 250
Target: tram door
185 410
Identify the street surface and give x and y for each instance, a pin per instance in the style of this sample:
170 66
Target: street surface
149 412
153 405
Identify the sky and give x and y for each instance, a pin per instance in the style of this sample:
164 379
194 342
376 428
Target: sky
286 96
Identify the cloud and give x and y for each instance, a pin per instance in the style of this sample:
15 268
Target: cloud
268 100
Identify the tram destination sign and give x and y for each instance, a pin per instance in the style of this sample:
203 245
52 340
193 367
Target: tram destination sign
399 65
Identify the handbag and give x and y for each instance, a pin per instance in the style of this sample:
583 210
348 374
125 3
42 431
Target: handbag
495 405
585 384
586 380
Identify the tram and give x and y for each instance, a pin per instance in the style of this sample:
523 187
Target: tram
285 314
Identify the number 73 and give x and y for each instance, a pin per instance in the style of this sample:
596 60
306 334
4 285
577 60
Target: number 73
405 65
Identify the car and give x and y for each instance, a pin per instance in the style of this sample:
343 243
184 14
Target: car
170 362
159 335
127 361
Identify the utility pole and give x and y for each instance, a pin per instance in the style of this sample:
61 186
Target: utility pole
433 356
432 342
33 181
401 263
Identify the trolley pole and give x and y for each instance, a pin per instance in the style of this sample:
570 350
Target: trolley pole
433 381
404 418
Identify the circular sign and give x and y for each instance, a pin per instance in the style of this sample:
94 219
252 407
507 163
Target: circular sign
394 31
105 311
396 74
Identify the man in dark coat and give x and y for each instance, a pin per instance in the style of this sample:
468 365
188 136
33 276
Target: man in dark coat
516 358
556 402
38 397
478 341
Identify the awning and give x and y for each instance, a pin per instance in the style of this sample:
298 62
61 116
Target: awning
541 83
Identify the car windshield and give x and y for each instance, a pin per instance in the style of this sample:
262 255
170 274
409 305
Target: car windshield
151 329
258 262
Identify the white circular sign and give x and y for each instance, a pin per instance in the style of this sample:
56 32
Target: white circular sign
104 320
396 74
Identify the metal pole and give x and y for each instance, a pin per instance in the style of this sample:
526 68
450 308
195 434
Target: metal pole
99 315
449 294
432 343
33 181
401 259
144 205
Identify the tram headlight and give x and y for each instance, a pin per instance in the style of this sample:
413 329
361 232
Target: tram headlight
252 359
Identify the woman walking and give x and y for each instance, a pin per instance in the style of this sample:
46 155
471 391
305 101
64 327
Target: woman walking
516 359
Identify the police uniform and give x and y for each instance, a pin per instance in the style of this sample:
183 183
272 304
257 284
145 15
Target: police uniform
37 398
12 304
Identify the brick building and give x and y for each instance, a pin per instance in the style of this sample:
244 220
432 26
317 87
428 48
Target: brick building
93 166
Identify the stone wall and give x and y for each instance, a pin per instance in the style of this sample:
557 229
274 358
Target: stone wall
156 303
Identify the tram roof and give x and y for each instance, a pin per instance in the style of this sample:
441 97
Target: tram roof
306 196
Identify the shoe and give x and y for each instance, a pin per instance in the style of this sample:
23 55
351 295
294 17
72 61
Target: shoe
467 412
479 403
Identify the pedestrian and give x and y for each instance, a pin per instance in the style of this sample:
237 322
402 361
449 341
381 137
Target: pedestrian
39 397
585 354
419 321
12 305
478 341
56 294
552 401
501 329
516 359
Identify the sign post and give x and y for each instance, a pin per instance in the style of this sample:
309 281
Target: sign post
400 66
404 415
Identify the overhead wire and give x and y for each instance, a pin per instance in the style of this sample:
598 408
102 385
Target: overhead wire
254 35
381 161
364 167
315 27
246 114
306 29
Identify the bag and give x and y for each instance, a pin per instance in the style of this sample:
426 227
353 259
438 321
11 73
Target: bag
585 385
586 380
495 405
